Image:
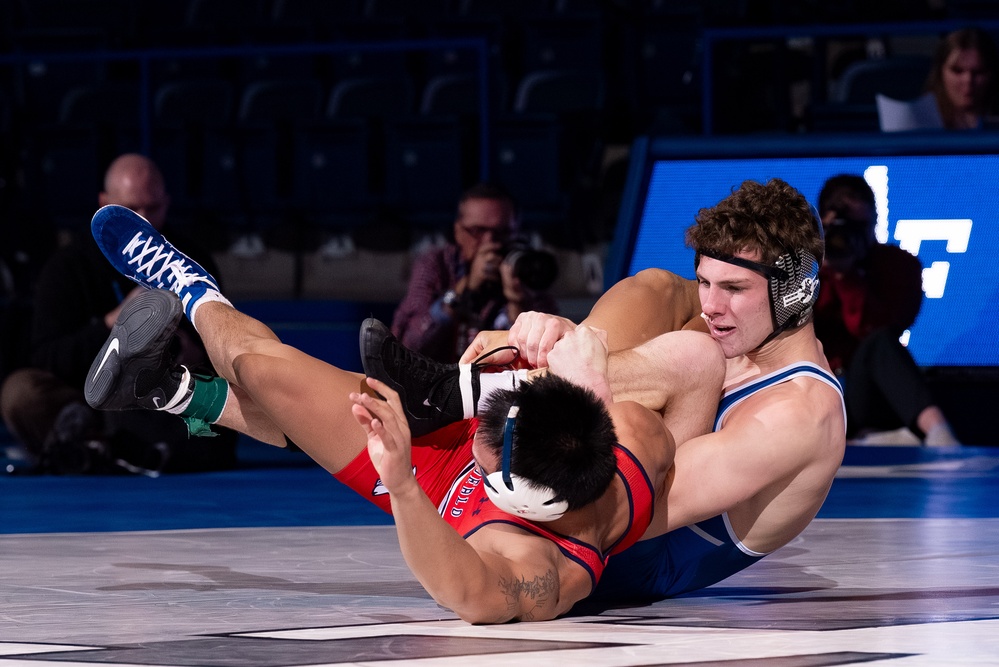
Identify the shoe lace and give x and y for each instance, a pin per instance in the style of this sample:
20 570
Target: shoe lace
436 399
146 254
184 276
480 364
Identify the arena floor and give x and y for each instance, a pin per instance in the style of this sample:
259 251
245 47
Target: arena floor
276 565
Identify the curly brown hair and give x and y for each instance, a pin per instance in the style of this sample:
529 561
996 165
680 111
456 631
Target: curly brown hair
772 218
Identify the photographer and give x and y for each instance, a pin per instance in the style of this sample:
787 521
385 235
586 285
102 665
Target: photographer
483 280
869 294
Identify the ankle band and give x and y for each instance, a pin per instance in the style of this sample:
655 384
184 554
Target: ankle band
207 403
209 398
465 388
490 383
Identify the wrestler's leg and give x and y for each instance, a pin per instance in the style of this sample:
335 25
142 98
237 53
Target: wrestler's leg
277 390
677 374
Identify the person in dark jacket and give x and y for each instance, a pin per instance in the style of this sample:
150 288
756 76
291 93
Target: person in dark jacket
870 294
461 288
78 297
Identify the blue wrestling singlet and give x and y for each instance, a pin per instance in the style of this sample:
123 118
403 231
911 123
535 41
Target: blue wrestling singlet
704 553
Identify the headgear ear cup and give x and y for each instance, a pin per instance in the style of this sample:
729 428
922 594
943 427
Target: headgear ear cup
793 293
516 495
792 297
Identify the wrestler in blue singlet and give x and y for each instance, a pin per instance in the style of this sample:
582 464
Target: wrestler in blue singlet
704 553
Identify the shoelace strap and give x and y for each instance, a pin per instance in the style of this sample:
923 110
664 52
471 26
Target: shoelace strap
147 253
465 377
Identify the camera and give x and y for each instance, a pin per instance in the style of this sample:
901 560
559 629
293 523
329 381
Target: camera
536 269
847 239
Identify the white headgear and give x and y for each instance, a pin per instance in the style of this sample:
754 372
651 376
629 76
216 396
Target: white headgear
515 494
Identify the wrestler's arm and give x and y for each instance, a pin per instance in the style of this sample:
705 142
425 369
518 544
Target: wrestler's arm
767 442
480 584
633 311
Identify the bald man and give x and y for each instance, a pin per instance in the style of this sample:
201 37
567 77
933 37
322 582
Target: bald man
78 298
133 181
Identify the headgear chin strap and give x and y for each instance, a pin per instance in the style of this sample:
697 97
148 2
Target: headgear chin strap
515 494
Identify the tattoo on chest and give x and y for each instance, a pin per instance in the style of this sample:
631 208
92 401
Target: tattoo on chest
542 591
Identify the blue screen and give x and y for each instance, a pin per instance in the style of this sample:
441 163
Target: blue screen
942 208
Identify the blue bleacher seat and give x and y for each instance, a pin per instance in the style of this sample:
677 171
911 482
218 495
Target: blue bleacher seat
560 91
898 77
331 173
370 96
64 174
194 102
551 42
425 169
450 94
111 103
525 160
280 100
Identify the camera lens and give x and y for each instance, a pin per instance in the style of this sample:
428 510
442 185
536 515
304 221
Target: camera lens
536 269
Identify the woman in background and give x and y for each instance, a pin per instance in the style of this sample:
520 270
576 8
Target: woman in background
962 78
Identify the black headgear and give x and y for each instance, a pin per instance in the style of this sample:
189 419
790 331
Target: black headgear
793 282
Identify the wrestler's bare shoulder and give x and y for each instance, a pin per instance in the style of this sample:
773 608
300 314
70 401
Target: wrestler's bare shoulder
804 410
664 282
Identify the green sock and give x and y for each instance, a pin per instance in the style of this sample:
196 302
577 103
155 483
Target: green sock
208 399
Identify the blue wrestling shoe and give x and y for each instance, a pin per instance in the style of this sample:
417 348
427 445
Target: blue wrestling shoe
140 253
134 369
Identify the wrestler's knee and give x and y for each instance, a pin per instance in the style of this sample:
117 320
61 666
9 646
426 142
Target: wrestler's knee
703 359
257 373
252 371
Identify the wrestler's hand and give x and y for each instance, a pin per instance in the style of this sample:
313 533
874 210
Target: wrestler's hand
389 442
486 341
580 357
535 334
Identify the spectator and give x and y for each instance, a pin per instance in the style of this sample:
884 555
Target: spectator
962 78
870 293
77 299
460 288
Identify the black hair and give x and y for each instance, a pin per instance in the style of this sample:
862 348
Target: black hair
563 437
844 186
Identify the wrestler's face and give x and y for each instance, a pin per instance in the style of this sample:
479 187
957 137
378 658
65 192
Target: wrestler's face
735 303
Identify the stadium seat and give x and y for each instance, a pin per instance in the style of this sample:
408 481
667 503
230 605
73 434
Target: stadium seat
425 169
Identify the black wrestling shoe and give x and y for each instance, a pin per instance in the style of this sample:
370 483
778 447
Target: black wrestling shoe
433 394
134 370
